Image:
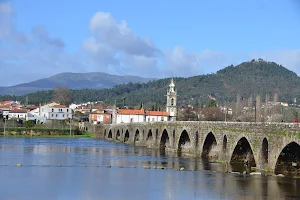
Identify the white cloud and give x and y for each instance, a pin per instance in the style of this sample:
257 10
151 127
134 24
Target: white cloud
118 36
6 16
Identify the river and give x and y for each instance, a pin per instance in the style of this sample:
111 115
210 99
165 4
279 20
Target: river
96 169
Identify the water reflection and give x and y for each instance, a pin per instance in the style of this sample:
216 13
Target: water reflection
83 173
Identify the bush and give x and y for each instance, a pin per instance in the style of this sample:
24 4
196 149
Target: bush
29 124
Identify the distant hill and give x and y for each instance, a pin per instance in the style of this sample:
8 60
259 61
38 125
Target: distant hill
245 79
94 80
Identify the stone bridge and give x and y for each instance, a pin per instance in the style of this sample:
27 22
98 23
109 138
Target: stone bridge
264 145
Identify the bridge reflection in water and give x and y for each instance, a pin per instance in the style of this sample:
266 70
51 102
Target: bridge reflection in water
269 146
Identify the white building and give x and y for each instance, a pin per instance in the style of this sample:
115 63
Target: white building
59 112
18 114
155 116
128 116
50 111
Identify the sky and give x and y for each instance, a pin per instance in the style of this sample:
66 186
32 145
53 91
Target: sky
156 38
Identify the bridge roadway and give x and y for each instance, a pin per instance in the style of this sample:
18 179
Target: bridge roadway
258 143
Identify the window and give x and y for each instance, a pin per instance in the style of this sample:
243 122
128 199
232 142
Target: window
56 115
52 110
172 102
52 115
67 110
162 118
148 119
63 115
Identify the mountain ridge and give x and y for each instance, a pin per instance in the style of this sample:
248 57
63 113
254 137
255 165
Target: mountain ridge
91 80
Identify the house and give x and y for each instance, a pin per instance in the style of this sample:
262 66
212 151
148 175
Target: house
59 112
155 116
128 116
18 114
4 110
284 104
5 103
50 111
82 109
100 116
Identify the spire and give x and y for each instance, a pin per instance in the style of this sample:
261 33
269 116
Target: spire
172 85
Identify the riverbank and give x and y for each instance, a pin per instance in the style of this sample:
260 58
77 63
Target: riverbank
83 134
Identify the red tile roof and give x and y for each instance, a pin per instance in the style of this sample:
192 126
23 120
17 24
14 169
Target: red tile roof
83 108
59 106
18 111
157 113
9 102
6 107
130 112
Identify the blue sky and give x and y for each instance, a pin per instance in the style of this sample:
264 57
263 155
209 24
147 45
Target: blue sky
153 39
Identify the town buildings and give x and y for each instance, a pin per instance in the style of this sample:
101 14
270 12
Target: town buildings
142 115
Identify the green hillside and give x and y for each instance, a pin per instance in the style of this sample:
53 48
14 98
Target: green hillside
248 78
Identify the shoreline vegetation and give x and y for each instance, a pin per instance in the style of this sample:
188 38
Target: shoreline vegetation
44 133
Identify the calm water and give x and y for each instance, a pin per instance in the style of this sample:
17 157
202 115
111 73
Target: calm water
76 169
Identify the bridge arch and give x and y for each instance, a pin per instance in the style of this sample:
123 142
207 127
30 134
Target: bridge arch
288 160
126 136
149 137
184 143
118 135
209 143
242 152
197 141
224 147
174 137
265 152
164 140
136 136
109 134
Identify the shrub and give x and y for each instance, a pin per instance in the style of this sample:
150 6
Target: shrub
29 124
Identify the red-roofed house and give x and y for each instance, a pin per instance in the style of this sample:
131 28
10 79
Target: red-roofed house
155 116
18 114
128 116
100 116
4 110
8 102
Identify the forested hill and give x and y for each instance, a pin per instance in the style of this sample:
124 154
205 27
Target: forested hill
248 78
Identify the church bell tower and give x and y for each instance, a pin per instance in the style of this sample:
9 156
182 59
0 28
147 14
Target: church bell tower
172 101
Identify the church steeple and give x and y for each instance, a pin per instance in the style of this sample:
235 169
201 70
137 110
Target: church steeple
172 86
172 101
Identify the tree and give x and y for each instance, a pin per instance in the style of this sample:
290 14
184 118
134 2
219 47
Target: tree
62 95
211 103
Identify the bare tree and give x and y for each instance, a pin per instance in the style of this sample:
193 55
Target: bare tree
250 104
276 97
62 95
258 108
238 105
